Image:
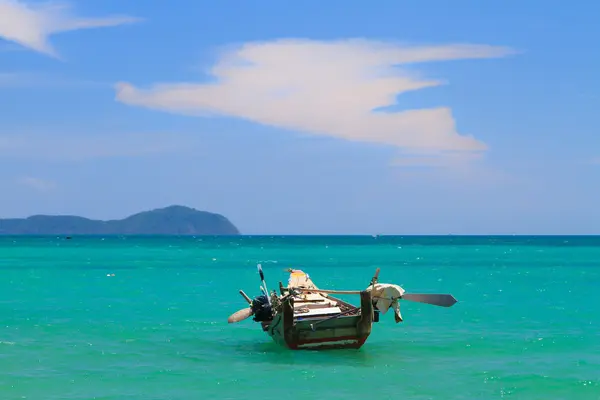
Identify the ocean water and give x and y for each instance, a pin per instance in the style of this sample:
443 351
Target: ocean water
526 325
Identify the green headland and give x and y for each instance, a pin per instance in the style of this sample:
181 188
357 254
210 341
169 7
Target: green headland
172 220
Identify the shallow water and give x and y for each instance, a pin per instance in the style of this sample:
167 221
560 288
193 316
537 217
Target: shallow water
525 326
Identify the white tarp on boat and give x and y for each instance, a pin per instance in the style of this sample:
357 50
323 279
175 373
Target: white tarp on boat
386 296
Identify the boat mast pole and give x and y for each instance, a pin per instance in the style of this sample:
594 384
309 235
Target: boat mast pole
373 282
327 291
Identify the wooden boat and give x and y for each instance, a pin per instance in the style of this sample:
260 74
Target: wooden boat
302 316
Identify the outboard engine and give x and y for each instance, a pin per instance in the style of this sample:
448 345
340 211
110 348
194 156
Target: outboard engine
261 309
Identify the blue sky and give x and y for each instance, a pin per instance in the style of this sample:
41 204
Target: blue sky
345 117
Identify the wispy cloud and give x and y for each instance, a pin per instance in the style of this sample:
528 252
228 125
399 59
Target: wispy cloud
81 147
40 185
31 24
42 80
10 79
437 159
324 88
10 47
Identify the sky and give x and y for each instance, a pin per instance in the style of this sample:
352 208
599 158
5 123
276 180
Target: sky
306 117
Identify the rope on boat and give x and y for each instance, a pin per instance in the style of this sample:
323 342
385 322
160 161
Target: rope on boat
312 326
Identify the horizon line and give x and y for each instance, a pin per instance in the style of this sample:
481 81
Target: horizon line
374 236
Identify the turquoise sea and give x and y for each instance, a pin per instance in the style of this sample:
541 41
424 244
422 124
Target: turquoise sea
526 325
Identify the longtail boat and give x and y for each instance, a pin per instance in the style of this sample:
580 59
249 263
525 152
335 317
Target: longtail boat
302 316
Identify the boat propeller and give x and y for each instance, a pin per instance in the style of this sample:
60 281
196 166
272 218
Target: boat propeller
256 306
240 315
244 313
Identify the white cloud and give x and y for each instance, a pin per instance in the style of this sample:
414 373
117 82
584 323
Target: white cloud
81 147
38 184
324 88
30 25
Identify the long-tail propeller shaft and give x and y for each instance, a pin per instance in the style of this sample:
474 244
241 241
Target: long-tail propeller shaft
442 300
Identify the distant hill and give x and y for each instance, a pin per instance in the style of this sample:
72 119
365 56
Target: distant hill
172 220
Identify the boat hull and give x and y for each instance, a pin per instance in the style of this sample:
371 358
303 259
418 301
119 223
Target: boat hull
321 333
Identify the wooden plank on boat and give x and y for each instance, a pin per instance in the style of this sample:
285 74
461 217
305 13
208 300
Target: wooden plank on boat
318 311
328 291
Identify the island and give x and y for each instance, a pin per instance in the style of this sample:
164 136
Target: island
172 220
